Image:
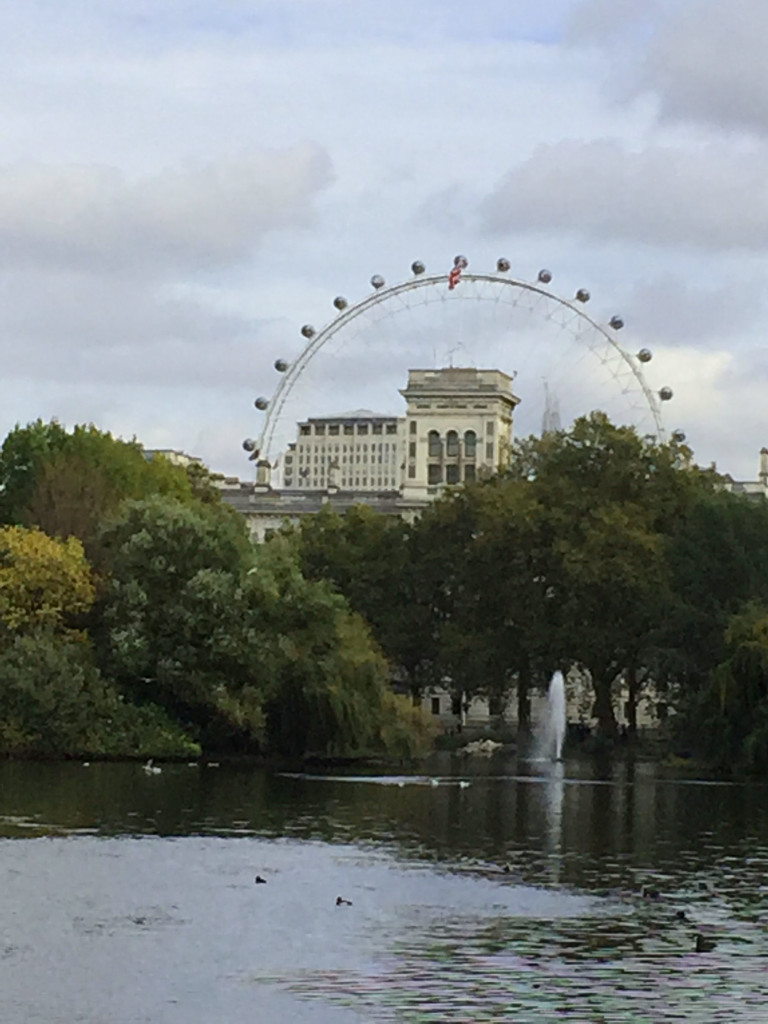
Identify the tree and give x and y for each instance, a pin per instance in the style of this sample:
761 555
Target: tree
54 702
173 630
727 721
388 575
494 620
718 560
67 483
43 581
611 499
234 640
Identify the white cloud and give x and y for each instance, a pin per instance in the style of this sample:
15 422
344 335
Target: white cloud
199 217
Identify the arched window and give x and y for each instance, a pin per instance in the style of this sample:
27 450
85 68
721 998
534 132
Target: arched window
435 447
470 444
451 444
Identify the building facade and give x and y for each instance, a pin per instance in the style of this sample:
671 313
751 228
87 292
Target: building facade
358 450
458 427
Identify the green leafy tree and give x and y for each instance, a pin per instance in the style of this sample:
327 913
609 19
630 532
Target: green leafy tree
234 640
54 703
174 630
68 482
718 558
611 499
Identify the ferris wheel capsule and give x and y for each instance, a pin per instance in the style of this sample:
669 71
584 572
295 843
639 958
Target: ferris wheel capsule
502 265
582 295
377 281
261 403
616 323
678 436
340 302
308 331
418 267
645 355
545 276
280 365
665 394
249 445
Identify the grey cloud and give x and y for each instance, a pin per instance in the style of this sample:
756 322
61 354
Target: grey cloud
671 311
198 217
700 197
704 60
96 332
708 64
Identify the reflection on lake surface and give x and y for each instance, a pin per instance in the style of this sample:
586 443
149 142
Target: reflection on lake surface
484 890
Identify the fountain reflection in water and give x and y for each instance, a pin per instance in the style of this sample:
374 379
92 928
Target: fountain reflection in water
554 726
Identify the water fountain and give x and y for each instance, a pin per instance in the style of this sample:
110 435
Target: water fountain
554 727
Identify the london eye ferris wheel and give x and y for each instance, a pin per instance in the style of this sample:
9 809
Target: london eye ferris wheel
564 362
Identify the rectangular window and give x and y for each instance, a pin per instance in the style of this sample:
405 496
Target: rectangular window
489 428
489 450
411 472
452 474
412 449
304 429
435 705
362 428
348 428
376 428
333 429
469 473
391 428
413 426
435 474
320 429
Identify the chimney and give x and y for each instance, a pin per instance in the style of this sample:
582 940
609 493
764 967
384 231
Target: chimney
763 474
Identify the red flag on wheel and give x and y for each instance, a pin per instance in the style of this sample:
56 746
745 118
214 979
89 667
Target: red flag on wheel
460 263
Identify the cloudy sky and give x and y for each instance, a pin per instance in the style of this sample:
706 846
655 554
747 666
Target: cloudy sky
184 184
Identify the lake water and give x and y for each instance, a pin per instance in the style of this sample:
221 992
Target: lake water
484 890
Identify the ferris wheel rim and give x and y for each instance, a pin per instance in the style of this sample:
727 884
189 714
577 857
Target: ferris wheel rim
381 294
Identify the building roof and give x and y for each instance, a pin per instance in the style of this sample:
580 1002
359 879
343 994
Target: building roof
354 414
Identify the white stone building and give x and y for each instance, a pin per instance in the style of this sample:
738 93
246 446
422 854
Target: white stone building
359 450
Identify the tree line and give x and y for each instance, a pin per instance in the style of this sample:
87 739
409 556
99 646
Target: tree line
138 618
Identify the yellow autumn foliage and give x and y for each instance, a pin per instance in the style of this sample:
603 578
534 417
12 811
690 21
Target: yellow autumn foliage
43 581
